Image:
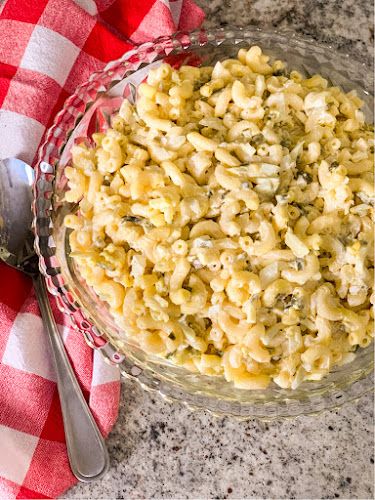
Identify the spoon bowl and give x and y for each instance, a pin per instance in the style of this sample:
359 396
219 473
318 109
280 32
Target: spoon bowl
16 180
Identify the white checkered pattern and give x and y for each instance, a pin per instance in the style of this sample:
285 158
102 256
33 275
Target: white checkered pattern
23 133
50 54
18 448
102 373
27 348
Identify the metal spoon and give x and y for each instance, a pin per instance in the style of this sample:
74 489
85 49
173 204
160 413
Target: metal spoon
87 452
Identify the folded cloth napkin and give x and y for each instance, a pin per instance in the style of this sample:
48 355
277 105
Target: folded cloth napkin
47 48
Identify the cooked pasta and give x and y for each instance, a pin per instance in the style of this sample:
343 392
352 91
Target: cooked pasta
226 219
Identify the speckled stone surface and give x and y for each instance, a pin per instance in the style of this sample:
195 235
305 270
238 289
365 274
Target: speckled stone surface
344 24
160 450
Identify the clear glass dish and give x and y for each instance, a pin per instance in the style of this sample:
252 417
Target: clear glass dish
85 112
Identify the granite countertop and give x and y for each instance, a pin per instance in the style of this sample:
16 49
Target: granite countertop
160 450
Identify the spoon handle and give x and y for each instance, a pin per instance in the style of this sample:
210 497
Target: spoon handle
87 452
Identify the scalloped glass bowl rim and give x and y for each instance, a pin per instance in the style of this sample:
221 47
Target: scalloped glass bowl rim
285 404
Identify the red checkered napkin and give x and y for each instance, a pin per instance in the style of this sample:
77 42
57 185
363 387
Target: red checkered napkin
47 48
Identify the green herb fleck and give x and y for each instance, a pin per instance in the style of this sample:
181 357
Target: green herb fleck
257 140
286 143
106 265
132 218
299 264
333 165
307 177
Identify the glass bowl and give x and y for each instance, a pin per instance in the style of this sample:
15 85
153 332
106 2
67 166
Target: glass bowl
86 111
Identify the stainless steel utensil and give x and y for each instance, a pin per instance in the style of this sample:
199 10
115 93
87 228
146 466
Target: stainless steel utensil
87 452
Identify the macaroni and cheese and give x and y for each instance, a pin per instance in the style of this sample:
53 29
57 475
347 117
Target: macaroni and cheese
226 219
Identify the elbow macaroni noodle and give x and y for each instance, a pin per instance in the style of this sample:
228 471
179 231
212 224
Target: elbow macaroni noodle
226 219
